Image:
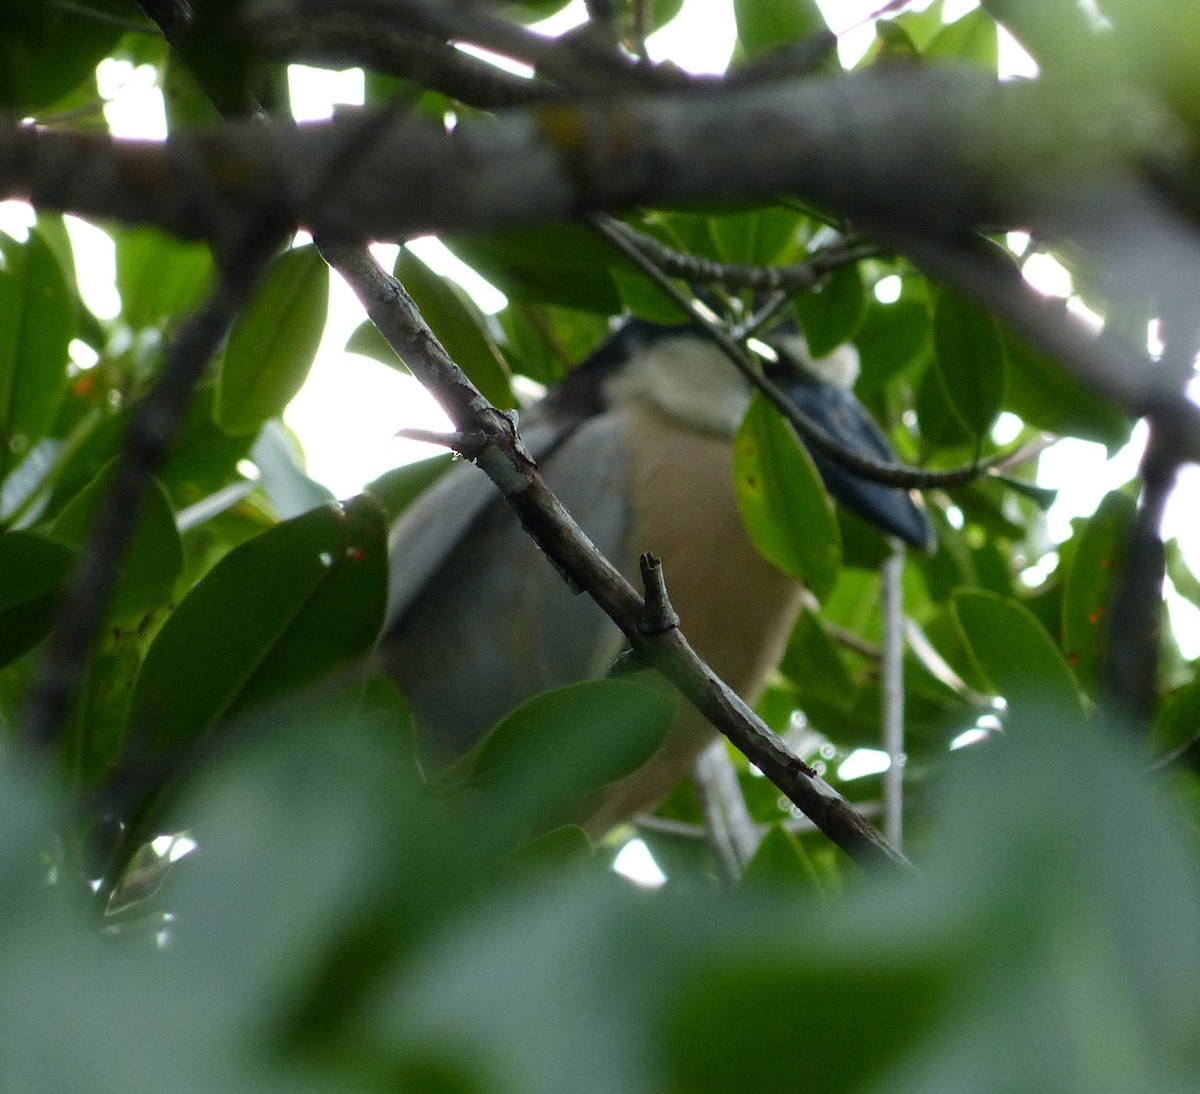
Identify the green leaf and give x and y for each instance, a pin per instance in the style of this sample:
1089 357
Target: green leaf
1091 582
1179 720
781 865
272 345
398 488
893 43
971 38
36 326
159 277
1042 394
563 264
832 314
460 327
970 361
784 505
550 751
729 1027
1013 651
366 340
153 561
33 569
812 661
544 343
764 25
921 27
47 52
757 237
276 613
892 338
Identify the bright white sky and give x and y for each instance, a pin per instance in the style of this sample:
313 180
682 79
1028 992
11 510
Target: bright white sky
348 412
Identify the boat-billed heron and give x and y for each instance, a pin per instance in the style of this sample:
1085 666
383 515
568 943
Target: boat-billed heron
636 442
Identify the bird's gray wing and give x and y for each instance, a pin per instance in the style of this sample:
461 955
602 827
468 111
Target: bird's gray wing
479 619
435 523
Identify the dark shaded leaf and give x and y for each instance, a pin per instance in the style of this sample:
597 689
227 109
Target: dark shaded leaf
36 325
833 313
970 361
564 265
317 585
272 345
1044 395
33 569
154 559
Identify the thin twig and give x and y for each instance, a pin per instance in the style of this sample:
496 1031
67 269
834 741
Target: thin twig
796 277
889 474
892 698
712 790
1135 614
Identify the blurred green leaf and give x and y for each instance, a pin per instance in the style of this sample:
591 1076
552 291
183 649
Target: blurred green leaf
153 560
970 38
32 571
159 277
317 584
1046 396
764 25
398 488
550 751
970 361
922 26
781 865
36 326
891 339
756 237
47 51
273 343
784 505
832 314
1014 651
460 327
812 661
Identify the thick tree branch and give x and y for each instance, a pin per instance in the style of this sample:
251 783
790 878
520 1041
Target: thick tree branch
500 453
942 149
919 155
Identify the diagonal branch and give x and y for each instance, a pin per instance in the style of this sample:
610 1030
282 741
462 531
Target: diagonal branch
501 454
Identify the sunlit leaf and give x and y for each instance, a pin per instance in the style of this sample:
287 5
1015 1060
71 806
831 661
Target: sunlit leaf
784 505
